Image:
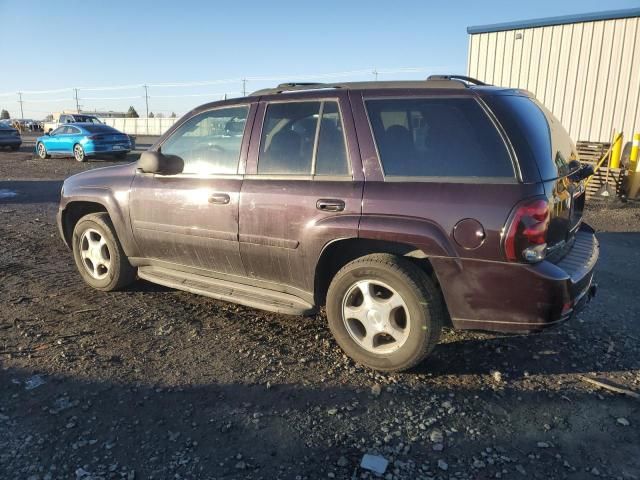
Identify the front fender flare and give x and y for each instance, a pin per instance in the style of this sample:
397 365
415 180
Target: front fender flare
109 200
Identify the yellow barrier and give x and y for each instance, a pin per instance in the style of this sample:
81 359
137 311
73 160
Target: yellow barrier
633 157
606 156
616 151
634 168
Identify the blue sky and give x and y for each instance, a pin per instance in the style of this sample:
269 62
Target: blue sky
52 45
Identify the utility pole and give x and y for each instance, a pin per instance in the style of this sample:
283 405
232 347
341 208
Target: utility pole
244 87
375 74
146 101
146 98
20 101
75 90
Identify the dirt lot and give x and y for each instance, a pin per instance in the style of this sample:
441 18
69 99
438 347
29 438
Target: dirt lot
157 383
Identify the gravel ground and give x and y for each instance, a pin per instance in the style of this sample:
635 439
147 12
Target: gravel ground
157 383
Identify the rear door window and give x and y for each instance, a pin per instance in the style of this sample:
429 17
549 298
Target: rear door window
438 137
331 155
303 138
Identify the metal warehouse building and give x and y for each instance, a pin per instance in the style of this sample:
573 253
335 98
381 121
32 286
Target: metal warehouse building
584 68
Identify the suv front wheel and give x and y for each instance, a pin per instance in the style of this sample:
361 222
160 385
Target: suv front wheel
384 312
99 257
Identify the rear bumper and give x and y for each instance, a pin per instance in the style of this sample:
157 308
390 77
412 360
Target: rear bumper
508 297
107 149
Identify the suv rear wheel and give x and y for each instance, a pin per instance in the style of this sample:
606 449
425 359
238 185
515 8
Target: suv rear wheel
384 312
99 257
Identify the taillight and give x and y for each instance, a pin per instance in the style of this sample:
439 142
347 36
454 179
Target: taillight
526 237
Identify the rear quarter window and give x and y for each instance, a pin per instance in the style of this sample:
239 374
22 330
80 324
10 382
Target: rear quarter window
438 137
537 136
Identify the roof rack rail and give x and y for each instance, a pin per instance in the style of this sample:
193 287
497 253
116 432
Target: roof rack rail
473 81
434 81
294 86
298 84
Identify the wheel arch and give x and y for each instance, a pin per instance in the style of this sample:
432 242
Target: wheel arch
338 253
76 208
73 212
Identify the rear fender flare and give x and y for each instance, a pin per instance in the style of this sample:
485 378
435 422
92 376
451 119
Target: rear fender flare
420 233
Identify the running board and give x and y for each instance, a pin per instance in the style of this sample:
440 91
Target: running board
247 295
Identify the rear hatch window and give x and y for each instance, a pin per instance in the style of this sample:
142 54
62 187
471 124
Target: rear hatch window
539 139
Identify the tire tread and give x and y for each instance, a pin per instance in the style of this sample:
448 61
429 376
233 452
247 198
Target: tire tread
418 280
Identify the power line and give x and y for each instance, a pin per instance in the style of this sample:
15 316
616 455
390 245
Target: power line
277 77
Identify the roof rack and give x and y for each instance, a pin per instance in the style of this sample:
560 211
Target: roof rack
295 86
473 81
434 81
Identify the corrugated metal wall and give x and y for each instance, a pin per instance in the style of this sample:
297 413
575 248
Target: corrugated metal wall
587 74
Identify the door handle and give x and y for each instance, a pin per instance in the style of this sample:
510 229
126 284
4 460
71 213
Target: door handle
330 205
219 198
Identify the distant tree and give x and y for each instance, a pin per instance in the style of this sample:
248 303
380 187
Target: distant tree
173 115
159 115
48 118
151 115
4 115
131 113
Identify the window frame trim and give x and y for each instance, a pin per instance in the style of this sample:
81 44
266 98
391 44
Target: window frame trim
515 178
311 175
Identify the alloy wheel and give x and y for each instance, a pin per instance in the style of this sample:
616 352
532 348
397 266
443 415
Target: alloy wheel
95 254
376 316
78 153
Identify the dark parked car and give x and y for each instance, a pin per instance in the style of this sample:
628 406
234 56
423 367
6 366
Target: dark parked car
402 207
9 137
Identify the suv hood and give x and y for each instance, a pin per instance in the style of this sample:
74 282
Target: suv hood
106 177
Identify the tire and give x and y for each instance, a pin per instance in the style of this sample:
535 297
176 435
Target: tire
404 302
41 150
102 269
121 155
14 148
78 153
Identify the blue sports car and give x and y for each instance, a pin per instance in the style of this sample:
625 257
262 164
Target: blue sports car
82 140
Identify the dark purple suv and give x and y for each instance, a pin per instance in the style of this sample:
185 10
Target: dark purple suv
401 207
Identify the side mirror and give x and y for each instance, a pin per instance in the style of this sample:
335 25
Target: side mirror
48 133
157 162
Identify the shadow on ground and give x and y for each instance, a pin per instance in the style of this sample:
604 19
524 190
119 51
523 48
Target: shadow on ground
288 431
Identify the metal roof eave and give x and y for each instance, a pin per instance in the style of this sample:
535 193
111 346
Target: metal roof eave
548 21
